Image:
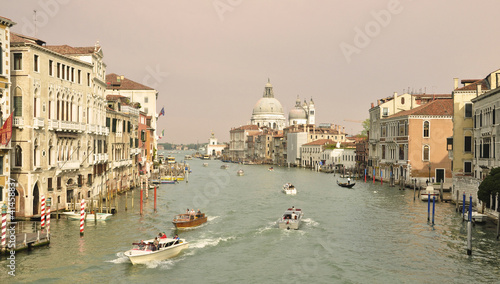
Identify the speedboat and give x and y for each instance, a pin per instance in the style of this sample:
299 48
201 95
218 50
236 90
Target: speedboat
189 220
224 167
240 172
271 169
205 164
146 251
428 193
291 219
289 188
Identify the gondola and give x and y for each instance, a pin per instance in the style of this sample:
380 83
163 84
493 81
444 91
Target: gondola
348 185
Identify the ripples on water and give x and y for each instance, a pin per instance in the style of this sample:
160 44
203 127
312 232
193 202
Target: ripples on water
368 234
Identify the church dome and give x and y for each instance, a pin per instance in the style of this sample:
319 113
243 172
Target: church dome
267 106
297 113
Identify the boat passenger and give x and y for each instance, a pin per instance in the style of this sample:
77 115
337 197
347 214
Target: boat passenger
348 180
199 212
141 244
176 237
155 244
192 211
163 236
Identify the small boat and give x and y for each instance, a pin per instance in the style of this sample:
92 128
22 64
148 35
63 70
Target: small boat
291 219
271 169
224 167
240 172
88 217
205 164
289 188
188 157
145 251
188 220
205 157
347 184
476 217
429 192
167 180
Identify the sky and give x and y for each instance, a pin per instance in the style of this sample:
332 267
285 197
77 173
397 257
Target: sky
210 59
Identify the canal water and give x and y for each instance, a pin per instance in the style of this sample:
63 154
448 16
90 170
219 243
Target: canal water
368 234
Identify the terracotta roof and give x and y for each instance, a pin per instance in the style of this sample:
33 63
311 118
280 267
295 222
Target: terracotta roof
320 142
247 127
436 107
473 86
15 38
66 49
124 84
437 96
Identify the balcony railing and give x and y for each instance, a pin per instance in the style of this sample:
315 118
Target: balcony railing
38 122
68 165
18 121
122 163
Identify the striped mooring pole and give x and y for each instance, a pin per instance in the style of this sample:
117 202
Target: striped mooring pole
82 216
48 215
42 218
4 225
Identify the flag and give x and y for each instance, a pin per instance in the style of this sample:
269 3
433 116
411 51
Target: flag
163 133
6 131
162 111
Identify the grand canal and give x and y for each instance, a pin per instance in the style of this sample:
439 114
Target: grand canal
368 234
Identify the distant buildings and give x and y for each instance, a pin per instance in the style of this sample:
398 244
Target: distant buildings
214 148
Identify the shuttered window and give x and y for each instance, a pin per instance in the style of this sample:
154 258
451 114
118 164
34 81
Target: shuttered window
18 106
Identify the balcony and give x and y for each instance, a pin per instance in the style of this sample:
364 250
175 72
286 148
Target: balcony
38 122
68 165
18 122
122 163
135 151
105 131
91 128
52 124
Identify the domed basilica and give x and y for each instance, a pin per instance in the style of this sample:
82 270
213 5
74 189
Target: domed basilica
268 112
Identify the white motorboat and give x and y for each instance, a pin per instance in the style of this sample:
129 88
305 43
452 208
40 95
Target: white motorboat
291 219
88 217
476 217
205 164
429 192
240 172
146 251
224 167
289 188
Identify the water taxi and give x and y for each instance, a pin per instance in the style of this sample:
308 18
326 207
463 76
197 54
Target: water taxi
188 157
189 220
291 219
289 188
146 251
205 157
170 160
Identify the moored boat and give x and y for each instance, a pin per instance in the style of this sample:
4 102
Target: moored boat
291 219
429 192
188 220
240 172
289 188
476 217
88 217
146 251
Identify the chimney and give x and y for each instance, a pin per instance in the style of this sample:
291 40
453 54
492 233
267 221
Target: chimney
455 81
378 102
372 105
478 89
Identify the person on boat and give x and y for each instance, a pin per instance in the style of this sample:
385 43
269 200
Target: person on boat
141 244
199 212
176 237
156 243
163 236
192 211
348 180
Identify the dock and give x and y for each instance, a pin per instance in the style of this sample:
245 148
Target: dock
27 236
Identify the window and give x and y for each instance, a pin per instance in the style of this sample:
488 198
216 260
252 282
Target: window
426 153
59 183
401 152
58 70
468 167
385 111
18 159
18 61
79 76
50 68
1 165
467 143
468 110
63 71
1 61
426 129
18 106
146 99
72 74
402 101
36 64
146 110
88 79
383 151
49 184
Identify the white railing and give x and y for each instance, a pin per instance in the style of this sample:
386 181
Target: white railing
53 124
91 128
38 122
105 131
18 121
122 163
105 157
68 165
130 110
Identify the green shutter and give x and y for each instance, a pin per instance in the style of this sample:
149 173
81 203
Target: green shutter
18 106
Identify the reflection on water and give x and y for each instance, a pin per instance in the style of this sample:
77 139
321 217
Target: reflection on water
368 234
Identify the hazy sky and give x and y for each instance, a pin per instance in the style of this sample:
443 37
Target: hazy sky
210 59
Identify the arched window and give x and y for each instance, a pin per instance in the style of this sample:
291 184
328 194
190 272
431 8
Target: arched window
402 101
18 159
426 129
426 153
